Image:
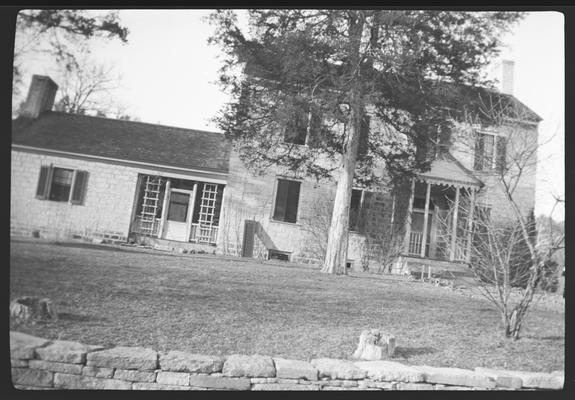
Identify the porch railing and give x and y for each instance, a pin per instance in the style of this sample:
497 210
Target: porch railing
137 227
205 234
415 243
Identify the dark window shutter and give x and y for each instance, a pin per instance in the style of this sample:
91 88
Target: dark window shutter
363 137
501 153
44 178
281 200
78 190
479 145
292 201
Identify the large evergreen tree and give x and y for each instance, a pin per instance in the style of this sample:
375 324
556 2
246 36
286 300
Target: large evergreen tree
304 84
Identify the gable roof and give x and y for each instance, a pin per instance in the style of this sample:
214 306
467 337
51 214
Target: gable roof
446 170
124 140
459 98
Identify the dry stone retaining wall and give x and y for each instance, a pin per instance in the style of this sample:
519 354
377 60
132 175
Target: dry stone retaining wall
45 364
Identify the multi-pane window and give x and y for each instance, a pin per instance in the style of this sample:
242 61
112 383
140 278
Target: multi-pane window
287 200
490 152
61 184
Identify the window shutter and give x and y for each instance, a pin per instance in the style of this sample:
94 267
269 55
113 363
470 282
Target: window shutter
77 196
43 179
501 153
478 166
281 200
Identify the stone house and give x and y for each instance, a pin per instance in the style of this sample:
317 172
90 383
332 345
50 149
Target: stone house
97 178
422 227
92 178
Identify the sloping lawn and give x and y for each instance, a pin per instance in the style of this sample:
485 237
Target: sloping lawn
216 305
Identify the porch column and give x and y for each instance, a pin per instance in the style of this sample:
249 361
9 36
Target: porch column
425 218
454 225
408 218
164 209
470 227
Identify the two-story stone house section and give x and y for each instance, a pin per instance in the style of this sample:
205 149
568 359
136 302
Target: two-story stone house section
77 176
280 215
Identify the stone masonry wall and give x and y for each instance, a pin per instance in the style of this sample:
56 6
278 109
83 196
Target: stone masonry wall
520 138
104 215
251 197
44 364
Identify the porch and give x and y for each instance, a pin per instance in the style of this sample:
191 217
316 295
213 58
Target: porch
439 218
177 210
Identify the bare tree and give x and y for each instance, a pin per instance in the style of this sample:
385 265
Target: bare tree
89 89
507 255
58 36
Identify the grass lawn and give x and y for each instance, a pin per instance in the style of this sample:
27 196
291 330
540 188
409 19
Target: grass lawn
215 305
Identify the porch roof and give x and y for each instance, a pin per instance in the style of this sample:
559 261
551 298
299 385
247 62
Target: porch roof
446 170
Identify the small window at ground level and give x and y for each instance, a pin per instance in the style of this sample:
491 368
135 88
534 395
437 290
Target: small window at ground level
287 200
61 184
278 255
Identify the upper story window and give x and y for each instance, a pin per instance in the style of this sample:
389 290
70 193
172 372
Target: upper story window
490 152
61 184
295 118
287 200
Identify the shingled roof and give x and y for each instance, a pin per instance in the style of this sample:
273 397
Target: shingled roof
124 140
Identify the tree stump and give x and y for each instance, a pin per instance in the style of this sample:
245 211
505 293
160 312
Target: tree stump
375 345
30 309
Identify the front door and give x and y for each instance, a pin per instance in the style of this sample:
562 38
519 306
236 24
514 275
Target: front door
179 215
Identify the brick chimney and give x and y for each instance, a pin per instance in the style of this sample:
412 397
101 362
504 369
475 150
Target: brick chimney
506 78
40 97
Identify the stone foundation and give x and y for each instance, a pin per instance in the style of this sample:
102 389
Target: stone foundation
40 364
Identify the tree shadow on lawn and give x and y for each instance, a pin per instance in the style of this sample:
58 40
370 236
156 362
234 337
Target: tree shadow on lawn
552 338
80 318
406 352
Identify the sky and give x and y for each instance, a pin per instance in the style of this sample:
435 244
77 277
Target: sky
169 71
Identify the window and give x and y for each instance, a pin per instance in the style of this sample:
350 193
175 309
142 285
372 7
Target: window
61 184
298 117
178 209
364 137
490 152
355 209
287 200
296 129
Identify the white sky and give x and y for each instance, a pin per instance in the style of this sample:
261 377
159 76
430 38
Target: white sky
169 73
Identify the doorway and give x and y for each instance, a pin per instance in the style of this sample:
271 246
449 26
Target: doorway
179 214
